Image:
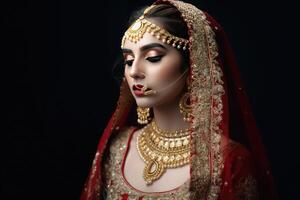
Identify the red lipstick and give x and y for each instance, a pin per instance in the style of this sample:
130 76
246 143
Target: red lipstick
139 86
138 89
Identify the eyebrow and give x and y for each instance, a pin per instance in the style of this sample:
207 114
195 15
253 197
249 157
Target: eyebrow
145 47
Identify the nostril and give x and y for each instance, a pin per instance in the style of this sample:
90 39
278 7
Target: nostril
134 75
137 75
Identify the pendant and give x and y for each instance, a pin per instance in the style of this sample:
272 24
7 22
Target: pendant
153 171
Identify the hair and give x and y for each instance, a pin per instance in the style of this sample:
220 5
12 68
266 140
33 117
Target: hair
167 16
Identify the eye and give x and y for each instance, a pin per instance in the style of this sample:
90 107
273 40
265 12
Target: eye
154 58
128 62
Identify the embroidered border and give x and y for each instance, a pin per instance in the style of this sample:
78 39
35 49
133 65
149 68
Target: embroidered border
206 94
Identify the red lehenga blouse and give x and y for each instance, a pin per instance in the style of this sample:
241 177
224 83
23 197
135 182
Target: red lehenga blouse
227 159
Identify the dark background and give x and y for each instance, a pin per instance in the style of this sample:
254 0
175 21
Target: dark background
59 92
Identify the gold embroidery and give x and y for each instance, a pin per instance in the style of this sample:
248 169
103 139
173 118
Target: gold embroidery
206 92
246 189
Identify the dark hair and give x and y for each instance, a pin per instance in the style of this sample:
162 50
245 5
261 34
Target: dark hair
170 18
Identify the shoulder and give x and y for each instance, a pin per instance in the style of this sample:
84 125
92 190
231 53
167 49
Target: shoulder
122 135
126 130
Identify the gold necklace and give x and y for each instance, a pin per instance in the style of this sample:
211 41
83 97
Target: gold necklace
162 149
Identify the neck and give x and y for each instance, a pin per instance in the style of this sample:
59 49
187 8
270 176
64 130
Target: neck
168 116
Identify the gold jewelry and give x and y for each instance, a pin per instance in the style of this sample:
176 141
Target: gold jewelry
185 107
137 30
143 115
162 149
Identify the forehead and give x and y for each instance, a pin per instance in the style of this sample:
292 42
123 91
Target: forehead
147 39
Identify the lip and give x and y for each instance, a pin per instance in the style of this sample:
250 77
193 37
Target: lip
138 93
139 89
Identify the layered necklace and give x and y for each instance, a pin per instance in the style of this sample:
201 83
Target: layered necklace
161 149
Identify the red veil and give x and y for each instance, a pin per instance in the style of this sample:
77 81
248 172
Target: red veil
221 111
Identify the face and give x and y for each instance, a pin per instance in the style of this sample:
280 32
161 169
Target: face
151 64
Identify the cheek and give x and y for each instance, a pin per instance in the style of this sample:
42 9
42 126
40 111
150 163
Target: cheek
126 74
168 71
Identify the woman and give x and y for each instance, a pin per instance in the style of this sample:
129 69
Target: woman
197 135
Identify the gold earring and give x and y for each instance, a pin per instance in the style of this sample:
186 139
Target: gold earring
143 115
185 107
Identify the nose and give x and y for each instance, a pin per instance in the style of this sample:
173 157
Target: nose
136 70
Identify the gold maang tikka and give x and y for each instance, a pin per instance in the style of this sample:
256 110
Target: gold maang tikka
137 30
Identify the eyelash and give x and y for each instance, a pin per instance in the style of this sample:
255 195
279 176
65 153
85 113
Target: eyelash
152 59
128 62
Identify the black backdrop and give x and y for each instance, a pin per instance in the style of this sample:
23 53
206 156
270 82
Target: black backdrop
59 90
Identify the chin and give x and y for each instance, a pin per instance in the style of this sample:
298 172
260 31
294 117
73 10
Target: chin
144 102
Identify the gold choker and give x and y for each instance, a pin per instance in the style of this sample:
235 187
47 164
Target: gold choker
162 149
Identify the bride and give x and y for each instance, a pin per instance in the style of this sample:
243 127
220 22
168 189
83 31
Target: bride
183 127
